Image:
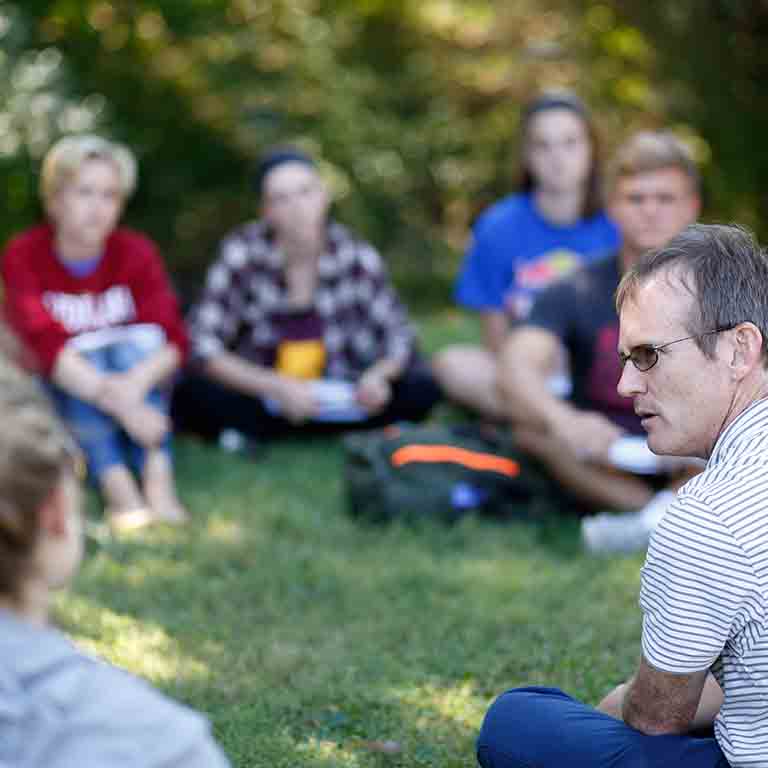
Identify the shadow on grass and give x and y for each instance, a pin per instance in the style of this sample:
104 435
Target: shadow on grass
310 639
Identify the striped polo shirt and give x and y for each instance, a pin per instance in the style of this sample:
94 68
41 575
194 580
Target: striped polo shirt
704 585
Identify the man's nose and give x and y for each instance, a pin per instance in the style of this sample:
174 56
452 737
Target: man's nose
650 206
631 381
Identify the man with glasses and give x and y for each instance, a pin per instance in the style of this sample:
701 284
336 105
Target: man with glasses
645 356
694 349
653 193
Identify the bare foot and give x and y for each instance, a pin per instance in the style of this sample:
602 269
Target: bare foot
124 520
126 509
160 490
171 513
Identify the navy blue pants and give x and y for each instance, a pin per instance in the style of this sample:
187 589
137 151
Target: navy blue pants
546 728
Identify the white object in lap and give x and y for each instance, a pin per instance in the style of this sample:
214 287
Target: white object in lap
633 455
560 385
146 337
336 401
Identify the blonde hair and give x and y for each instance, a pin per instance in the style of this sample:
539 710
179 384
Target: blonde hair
34 450
65 158
649 151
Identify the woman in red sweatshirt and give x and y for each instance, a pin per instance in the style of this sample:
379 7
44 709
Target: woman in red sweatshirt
93 307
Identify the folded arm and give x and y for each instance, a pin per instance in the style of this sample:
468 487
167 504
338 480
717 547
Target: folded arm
529 357
295 396
657 702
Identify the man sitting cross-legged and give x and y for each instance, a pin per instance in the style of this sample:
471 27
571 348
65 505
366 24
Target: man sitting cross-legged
694 350
653 194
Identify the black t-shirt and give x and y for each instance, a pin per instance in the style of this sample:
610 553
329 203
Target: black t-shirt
580 311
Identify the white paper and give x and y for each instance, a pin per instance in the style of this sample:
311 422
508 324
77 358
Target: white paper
146 336
336 402
633 455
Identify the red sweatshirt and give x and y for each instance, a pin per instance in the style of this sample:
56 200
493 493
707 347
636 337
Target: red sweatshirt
46 305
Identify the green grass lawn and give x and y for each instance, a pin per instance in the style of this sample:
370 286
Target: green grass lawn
313 640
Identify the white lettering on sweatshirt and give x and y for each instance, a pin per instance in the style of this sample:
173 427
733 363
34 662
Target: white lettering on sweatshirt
79 312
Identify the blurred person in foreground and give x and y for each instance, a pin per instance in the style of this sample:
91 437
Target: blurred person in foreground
694 353
92 305
298 326
652 194
59 707
526 241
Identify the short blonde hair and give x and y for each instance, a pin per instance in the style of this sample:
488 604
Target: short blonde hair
649 151
65 158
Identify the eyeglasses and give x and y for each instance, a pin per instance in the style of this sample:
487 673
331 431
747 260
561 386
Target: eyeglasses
645 356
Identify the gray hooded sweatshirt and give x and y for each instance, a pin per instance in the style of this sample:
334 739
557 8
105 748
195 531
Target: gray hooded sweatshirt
60 708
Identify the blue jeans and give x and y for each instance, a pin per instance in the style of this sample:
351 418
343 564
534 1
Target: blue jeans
545 728
102 440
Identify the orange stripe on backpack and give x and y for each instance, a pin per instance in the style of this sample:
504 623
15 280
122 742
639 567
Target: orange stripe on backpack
449 454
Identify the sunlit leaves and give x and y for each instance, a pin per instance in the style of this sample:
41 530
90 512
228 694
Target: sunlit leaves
35 105
414 105
627 43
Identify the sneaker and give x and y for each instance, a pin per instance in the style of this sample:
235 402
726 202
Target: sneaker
233 441
630 532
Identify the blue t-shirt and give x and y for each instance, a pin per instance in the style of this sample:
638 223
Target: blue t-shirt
515 253
80 268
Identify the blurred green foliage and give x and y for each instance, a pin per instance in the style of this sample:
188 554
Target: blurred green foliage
709 56
413 105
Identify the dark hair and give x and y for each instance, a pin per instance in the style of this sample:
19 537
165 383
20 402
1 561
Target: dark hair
722 267
593 201
274 157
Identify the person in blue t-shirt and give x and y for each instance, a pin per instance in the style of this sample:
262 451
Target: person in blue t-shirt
525 241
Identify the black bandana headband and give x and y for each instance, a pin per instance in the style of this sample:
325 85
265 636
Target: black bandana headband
555 100
275 158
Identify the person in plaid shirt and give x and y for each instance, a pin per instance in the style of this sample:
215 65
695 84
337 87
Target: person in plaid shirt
298 323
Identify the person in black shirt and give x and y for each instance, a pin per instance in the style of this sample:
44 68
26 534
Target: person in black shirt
653 194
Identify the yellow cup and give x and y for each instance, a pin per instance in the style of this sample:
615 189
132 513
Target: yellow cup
304 359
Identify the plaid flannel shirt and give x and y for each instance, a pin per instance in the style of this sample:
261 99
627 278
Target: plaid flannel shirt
245 290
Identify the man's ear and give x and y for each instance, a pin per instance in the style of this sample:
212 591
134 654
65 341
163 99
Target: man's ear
747 349
695 206
53 512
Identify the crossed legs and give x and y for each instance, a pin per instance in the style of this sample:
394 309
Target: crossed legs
113 451
545 728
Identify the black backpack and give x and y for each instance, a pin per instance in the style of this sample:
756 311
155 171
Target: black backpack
413 473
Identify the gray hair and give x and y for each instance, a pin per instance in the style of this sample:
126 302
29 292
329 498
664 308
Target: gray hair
723 268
